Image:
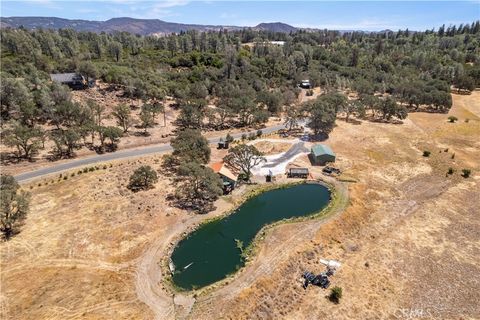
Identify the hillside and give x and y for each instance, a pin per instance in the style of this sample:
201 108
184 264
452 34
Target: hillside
135 26
275 27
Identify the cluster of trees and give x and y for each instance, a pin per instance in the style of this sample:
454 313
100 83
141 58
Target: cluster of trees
197 185
246 78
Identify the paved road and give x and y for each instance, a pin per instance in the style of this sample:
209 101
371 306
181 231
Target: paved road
122 154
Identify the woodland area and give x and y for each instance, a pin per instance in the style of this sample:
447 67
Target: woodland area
246 79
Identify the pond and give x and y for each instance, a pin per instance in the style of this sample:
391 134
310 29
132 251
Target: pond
214 250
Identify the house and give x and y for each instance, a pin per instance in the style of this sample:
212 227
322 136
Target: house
228 177
297 173
321 154
305 84
73 80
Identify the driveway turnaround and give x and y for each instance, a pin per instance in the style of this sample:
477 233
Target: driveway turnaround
122 154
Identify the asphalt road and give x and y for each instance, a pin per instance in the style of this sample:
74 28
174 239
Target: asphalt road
122 154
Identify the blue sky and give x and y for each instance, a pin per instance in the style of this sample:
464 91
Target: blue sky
346 15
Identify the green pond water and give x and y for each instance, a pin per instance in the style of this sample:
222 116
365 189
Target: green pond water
212 251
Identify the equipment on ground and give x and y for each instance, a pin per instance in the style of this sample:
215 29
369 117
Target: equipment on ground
320 280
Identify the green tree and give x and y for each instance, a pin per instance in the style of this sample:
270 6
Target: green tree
146 120
142 178
123 115
244 157
190 146
87 69
197 186
115 50
26 139
68 138
111 133
292 118
14 205
322 114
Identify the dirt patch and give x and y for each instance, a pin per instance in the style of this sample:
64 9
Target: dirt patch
270 148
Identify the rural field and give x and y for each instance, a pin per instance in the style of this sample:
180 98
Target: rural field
407 236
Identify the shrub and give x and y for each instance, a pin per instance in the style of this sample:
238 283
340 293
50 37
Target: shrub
446 150
259 133
466 120
73 174
452 119
252 136
105 167
244 136
335 294
142 178
426 153
450 170
65 177
91 169
453 155
466 173
228 138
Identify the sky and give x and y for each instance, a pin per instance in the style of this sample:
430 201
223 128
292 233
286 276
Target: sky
339 15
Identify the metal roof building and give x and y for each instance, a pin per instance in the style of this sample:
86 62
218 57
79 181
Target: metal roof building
321 154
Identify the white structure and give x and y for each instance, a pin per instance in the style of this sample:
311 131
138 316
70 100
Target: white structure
332 265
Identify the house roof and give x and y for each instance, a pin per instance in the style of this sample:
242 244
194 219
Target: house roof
321 149
221 169
216 166
65 77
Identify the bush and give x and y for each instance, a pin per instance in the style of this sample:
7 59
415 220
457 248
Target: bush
450 170
466 120
453 155
228 138
252 136
259 133
143 178
244 136
426 153
466 173
335 294
452 119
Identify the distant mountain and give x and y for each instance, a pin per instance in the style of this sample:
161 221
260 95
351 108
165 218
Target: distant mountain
135 26
275 27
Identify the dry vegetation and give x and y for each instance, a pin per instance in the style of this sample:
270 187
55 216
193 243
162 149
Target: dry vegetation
409 239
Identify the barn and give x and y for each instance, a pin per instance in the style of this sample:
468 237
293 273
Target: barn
321 154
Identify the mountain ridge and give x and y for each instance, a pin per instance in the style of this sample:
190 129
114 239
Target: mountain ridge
132 25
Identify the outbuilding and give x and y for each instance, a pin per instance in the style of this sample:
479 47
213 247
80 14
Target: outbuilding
298 173
321 154
228 177
73 80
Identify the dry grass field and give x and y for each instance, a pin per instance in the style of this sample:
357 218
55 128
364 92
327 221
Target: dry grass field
408 241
